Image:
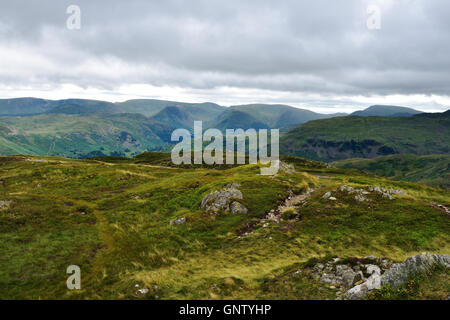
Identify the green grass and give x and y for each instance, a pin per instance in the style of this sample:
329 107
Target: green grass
112 219
433 170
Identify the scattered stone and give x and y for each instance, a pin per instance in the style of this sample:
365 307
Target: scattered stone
34 160
332 198
287 167
136 197
39 185
361 198
387 193
361 193
4 204
346 188
388 196
326 195
143 291
441 207
177 221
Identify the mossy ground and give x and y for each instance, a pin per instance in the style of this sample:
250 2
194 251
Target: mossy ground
112 219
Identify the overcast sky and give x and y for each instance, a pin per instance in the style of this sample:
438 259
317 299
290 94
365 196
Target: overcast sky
319 55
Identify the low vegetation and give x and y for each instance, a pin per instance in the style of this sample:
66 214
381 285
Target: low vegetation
111 217
433 170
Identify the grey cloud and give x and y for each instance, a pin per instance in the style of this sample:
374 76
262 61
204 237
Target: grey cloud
299 46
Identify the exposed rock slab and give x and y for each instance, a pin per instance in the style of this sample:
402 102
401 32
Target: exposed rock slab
225 200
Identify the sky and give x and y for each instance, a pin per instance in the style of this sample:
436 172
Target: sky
326 56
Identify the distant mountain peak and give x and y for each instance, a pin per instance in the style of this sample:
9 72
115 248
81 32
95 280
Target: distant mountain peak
386 111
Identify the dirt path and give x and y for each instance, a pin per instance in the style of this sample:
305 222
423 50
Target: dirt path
291 201
274 215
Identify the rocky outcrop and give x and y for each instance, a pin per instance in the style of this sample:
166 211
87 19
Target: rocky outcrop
356 277
387 193
360 273
398 274
177 221
360 194
421 263
226 199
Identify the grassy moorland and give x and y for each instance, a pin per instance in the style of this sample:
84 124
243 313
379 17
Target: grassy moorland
433 170
111 218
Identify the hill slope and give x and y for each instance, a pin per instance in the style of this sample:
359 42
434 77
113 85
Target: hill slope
368 137
265 116
433 170
112 220
24 106
150 107
81 135
386 111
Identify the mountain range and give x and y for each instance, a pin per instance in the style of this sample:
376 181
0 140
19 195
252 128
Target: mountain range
82 128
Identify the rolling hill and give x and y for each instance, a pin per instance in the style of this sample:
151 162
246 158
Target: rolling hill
265 116
386 111
113 220
79 135
151 107
433 170
24 106
35 125
369 137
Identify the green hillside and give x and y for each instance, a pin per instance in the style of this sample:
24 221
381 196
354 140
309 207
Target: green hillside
257 116
150 107
184 116
24 106
82 106
433 170
81 135
368 137
112 220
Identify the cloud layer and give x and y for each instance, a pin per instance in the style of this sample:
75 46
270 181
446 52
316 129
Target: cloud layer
301 52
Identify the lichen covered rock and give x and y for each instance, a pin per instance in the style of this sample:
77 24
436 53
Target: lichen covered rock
421 263
224 200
